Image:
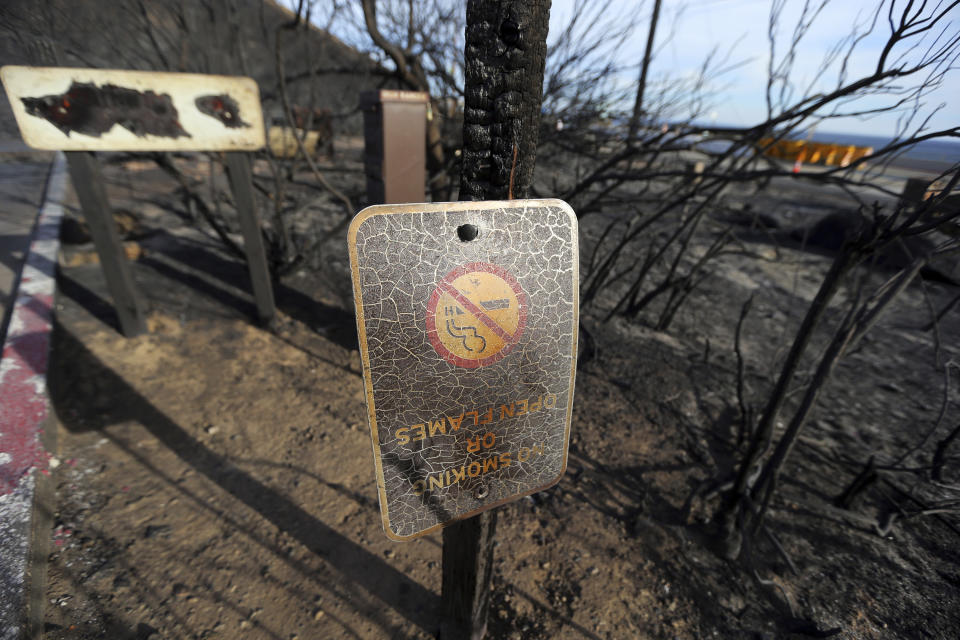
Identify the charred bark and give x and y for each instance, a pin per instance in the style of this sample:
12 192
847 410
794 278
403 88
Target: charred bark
505 53
505 56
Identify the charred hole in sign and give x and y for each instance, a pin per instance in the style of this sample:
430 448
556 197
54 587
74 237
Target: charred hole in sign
90 110
223 108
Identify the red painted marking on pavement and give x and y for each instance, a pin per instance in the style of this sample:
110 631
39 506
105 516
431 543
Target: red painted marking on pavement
24 357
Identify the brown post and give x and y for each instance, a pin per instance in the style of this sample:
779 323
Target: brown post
241 183
914 192
88 183
505 55
394 131
467 569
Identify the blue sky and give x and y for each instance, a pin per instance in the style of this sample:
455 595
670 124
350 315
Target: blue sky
688 31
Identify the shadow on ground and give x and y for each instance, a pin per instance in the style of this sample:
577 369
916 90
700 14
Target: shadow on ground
356 565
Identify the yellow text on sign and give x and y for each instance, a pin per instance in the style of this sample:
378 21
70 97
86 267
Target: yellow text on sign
449 424
475 468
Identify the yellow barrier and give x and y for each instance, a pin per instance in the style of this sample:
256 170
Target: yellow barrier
283 145
813 152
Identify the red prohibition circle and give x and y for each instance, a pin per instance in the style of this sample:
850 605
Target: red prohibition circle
445 286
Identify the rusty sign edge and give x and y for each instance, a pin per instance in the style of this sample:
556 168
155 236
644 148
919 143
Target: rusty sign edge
256 139
390 209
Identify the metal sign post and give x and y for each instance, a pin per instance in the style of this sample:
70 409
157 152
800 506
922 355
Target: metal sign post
84 110
241 183
88 183
467 317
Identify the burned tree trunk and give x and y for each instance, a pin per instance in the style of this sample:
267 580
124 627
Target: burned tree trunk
505 54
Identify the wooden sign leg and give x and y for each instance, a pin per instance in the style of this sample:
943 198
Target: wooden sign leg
88 183
467 569
241 183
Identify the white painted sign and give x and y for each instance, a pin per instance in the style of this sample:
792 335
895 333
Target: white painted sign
60 108
467 319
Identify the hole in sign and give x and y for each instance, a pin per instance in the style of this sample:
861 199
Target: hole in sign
467 232
480 492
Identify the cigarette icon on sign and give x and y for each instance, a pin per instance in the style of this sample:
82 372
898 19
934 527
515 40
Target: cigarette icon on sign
484 312
493 305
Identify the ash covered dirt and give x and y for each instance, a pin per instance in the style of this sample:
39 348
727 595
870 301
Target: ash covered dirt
216 479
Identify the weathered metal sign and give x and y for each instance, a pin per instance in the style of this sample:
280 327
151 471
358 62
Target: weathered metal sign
105 110
469 353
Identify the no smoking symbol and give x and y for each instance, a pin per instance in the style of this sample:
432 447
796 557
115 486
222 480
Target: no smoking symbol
476 315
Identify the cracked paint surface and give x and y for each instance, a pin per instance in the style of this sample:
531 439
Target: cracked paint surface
450 441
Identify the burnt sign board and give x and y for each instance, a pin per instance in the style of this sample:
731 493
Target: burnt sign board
467 318
67 109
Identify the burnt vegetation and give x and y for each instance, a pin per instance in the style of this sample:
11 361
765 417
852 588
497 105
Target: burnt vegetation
665 204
